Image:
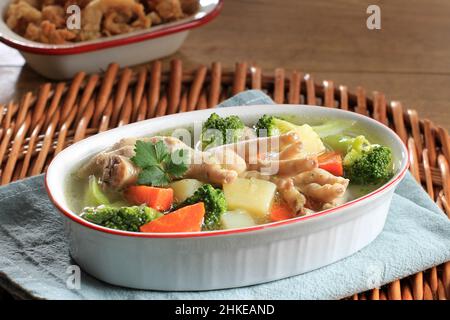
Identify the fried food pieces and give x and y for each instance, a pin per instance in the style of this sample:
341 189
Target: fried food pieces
45 20
20 14
47 32
39 20
112 17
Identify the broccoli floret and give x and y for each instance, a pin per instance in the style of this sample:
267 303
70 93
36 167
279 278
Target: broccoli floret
266 127
217 131
123 218
366 163
215 205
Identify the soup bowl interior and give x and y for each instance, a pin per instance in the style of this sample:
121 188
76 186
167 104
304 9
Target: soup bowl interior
70 159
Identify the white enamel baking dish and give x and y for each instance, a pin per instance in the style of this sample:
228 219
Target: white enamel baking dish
64 61
224 258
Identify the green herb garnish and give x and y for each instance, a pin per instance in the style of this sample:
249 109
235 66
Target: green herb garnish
158 165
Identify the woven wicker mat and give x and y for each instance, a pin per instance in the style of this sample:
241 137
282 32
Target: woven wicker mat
43 123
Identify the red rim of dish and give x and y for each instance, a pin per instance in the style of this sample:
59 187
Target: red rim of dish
116 42
89 225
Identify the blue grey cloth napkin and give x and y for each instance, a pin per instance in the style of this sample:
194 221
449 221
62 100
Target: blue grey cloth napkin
35 263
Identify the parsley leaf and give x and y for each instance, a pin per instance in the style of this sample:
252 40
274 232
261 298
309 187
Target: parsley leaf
153 176
158 166
177 163
145 154
161 151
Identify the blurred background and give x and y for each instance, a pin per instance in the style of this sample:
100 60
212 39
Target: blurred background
408 59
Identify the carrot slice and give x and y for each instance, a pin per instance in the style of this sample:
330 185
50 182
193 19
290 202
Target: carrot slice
331 162
280 212
186 219
160 199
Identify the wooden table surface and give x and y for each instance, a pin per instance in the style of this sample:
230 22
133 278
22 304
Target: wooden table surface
408 59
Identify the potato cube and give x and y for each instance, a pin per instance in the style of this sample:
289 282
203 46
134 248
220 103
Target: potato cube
252 195
185 188
237 219
311 142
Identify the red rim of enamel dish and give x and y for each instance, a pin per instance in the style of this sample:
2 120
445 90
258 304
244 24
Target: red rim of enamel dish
89 225
115 42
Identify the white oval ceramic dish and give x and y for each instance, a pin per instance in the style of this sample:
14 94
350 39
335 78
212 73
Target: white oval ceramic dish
223 258
64 61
